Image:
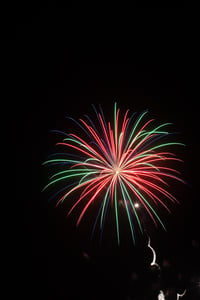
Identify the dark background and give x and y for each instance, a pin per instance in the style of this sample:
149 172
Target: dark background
68 59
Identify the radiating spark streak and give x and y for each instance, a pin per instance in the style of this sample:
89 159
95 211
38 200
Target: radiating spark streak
79 186
86 192
134 129
180 295
106 134
151 185
123 188
91 200
146 204
104 206
120 161
116 214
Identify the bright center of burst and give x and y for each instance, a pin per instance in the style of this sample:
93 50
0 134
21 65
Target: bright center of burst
116 170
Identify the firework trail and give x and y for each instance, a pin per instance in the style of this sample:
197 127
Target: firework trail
161 295
180 295
153 263
106 164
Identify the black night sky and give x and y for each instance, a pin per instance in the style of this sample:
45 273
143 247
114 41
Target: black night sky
67 61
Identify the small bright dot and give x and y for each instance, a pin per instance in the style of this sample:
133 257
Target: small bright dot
136 205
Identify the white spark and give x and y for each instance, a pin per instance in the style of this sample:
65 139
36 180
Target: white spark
161 295
180 295
153 263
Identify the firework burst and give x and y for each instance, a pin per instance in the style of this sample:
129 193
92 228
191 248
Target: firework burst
106 164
